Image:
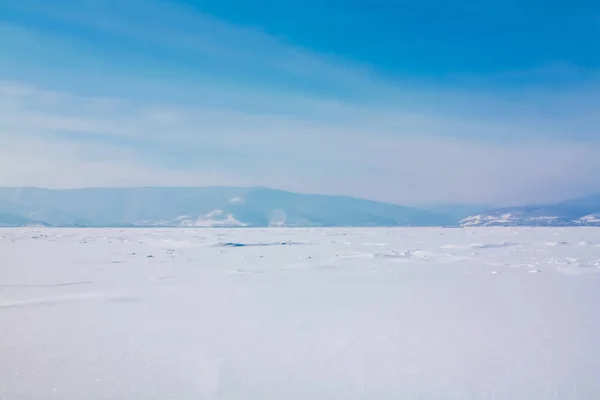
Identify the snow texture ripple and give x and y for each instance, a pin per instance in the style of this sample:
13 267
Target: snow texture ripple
407 313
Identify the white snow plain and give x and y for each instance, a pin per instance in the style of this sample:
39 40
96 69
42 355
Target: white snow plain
418 313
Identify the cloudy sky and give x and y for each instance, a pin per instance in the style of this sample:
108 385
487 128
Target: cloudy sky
494 102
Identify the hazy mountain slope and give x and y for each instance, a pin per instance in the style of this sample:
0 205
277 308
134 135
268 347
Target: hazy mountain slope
585 204
210 206
12 220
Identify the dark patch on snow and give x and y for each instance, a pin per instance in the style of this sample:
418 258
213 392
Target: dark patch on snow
233 244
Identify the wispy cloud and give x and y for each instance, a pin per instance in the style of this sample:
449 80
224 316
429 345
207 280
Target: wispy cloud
64 140
198 101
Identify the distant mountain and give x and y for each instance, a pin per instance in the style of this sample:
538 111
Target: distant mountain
583 211
455 212
200 207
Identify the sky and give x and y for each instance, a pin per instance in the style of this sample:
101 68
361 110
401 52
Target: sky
411 102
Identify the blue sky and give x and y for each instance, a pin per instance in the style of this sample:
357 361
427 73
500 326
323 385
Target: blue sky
404 101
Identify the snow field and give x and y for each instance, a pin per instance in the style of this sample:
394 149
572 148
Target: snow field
423 313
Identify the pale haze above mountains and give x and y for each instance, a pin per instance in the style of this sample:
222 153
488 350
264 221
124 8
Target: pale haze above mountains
262 207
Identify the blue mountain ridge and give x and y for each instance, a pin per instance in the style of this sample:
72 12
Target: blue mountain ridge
204 206
262 207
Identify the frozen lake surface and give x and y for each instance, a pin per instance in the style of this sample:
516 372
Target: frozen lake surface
261 314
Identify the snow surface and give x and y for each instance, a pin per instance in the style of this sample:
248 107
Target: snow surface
420 313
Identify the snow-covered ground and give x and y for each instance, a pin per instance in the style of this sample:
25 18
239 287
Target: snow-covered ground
489 313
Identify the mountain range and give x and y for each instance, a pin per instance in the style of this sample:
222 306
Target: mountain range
582 211
200 207
261 207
